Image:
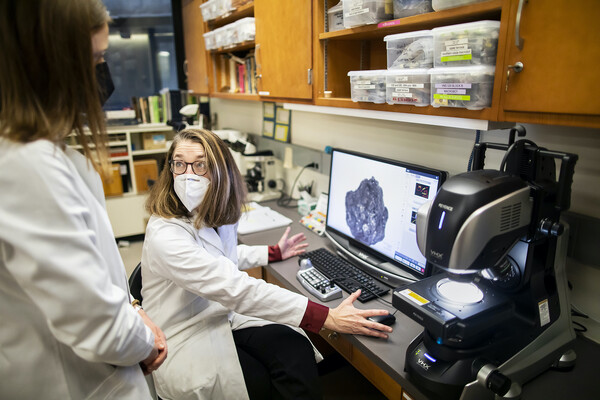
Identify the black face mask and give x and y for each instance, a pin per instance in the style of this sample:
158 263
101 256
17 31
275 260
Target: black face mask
105 83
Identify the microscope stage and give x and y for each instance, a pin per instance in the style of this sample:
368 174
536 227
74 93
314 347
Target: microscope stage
450 321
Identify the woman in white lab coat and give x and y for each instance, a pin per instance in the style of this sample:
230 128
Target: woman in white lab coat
217 319
67 326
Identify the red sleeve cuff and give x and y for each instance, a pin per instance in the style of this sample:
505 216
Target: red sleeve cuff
274 253
314 317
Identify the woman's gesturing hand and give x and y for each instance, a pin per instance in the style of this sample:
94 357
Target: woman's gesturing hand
346 318
293 246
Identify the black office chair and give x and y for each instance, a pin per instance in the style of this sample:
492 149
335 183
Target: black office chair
135 282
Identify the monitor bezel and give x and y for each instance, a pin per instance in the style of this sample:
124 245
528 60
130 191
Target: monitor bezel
442 175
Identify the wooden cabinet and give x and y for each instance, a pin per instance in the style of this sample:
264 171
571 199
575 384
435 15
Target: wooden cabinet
284 48
558 45
363 48
196 65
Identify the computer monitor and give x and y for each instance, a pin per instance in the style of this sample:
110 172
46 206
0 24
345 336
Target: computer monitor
371 213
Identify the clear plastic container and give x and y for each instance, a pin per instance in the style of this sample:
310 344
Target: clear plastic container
408 86
410 50
464 87
364 12
223 8
473 43
408 8
438 5
220 36
209 10
245 29
368 86
335 16
209 40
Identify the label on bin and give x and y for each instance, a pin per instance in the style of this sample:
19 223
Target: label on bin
364 86
401 79
406 85
356 11
397 95
453 85
452 91
455 55
456 42
451 97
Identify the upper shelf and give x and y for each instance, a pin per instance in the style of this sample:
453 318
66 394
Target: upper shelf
473 12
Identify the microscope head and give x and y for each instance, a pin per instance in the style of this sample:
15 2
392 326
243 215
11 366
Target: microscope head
473 221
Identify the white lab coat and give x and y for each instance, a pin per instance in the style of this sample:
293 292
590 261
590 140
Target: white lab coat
67 328
191 283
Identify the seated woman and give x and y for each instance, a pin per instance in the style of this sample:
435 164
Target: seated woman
229 334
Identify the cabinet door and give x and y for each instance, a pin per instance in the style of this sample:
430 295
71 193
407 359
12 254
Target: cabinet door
560 56
195 53
284 47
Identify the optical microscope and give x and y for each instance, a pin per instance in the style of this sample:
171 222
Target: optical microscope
498 313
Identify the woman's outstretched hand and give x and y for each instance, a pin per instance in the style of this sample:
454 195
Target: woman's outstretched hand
292 246
346 318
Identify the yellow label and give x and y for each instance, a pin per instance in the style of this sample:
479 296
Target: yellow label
414 297
452 97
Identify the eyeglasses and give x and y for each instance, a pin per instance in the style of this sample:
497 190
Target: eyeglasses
179 167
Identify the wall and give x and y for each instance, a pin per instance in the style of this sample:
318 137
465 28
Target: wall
443 148
449 149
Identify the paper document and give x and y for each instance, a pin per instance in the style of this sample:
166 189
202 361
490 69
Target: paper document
258 218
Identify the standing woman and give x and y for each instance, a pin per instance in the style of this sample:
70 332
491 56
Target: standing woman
230 335
68 329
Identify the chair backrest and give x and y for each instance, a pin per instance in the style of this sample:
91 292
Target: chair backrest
135 282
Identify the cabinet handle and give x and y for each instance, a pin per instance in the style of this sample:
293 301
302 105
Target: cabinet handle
518 40
332 336
185 68
517 67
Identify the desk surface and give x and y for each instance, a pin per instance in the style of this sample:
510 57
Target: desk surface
389 354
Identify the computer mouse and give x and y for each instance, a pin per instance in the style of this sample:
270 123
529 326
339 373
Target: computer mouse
387 319
305 263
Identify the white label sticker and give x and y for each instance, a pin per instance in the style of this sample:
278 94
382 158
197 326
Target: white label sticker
452 91
456 41
414 297
362 82
462 47
401 79
401 89
399 94
544 312
407 85
354 13
455 53
364 86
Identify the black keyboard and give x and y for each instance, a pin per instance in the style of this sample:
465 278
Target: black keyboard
346 275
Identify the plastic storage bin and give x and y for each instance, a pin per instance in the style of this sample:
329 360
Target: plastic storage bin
408 86
407 8
473 43
410 50
368 86
438 5
364 12
209 10
335 17
465 87
209 40
245 29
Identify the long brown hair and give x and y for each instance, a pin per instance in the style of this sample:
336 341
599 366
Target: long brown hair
48 85
222 204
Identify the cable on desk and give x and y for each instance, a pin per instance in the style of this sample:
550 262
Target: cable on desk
285 199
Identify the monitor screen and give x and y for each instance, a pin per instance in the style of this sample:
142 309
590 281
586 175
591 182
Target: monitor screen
372 209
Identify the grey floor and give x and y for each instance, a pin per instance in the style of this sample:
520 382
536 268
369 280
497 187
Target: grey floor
339 379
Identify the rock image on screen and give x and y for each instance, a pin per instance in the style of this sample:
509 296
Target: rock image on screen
366 214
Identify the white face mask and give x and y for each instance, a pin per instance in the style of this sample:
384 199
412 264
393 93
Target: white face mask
190 189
